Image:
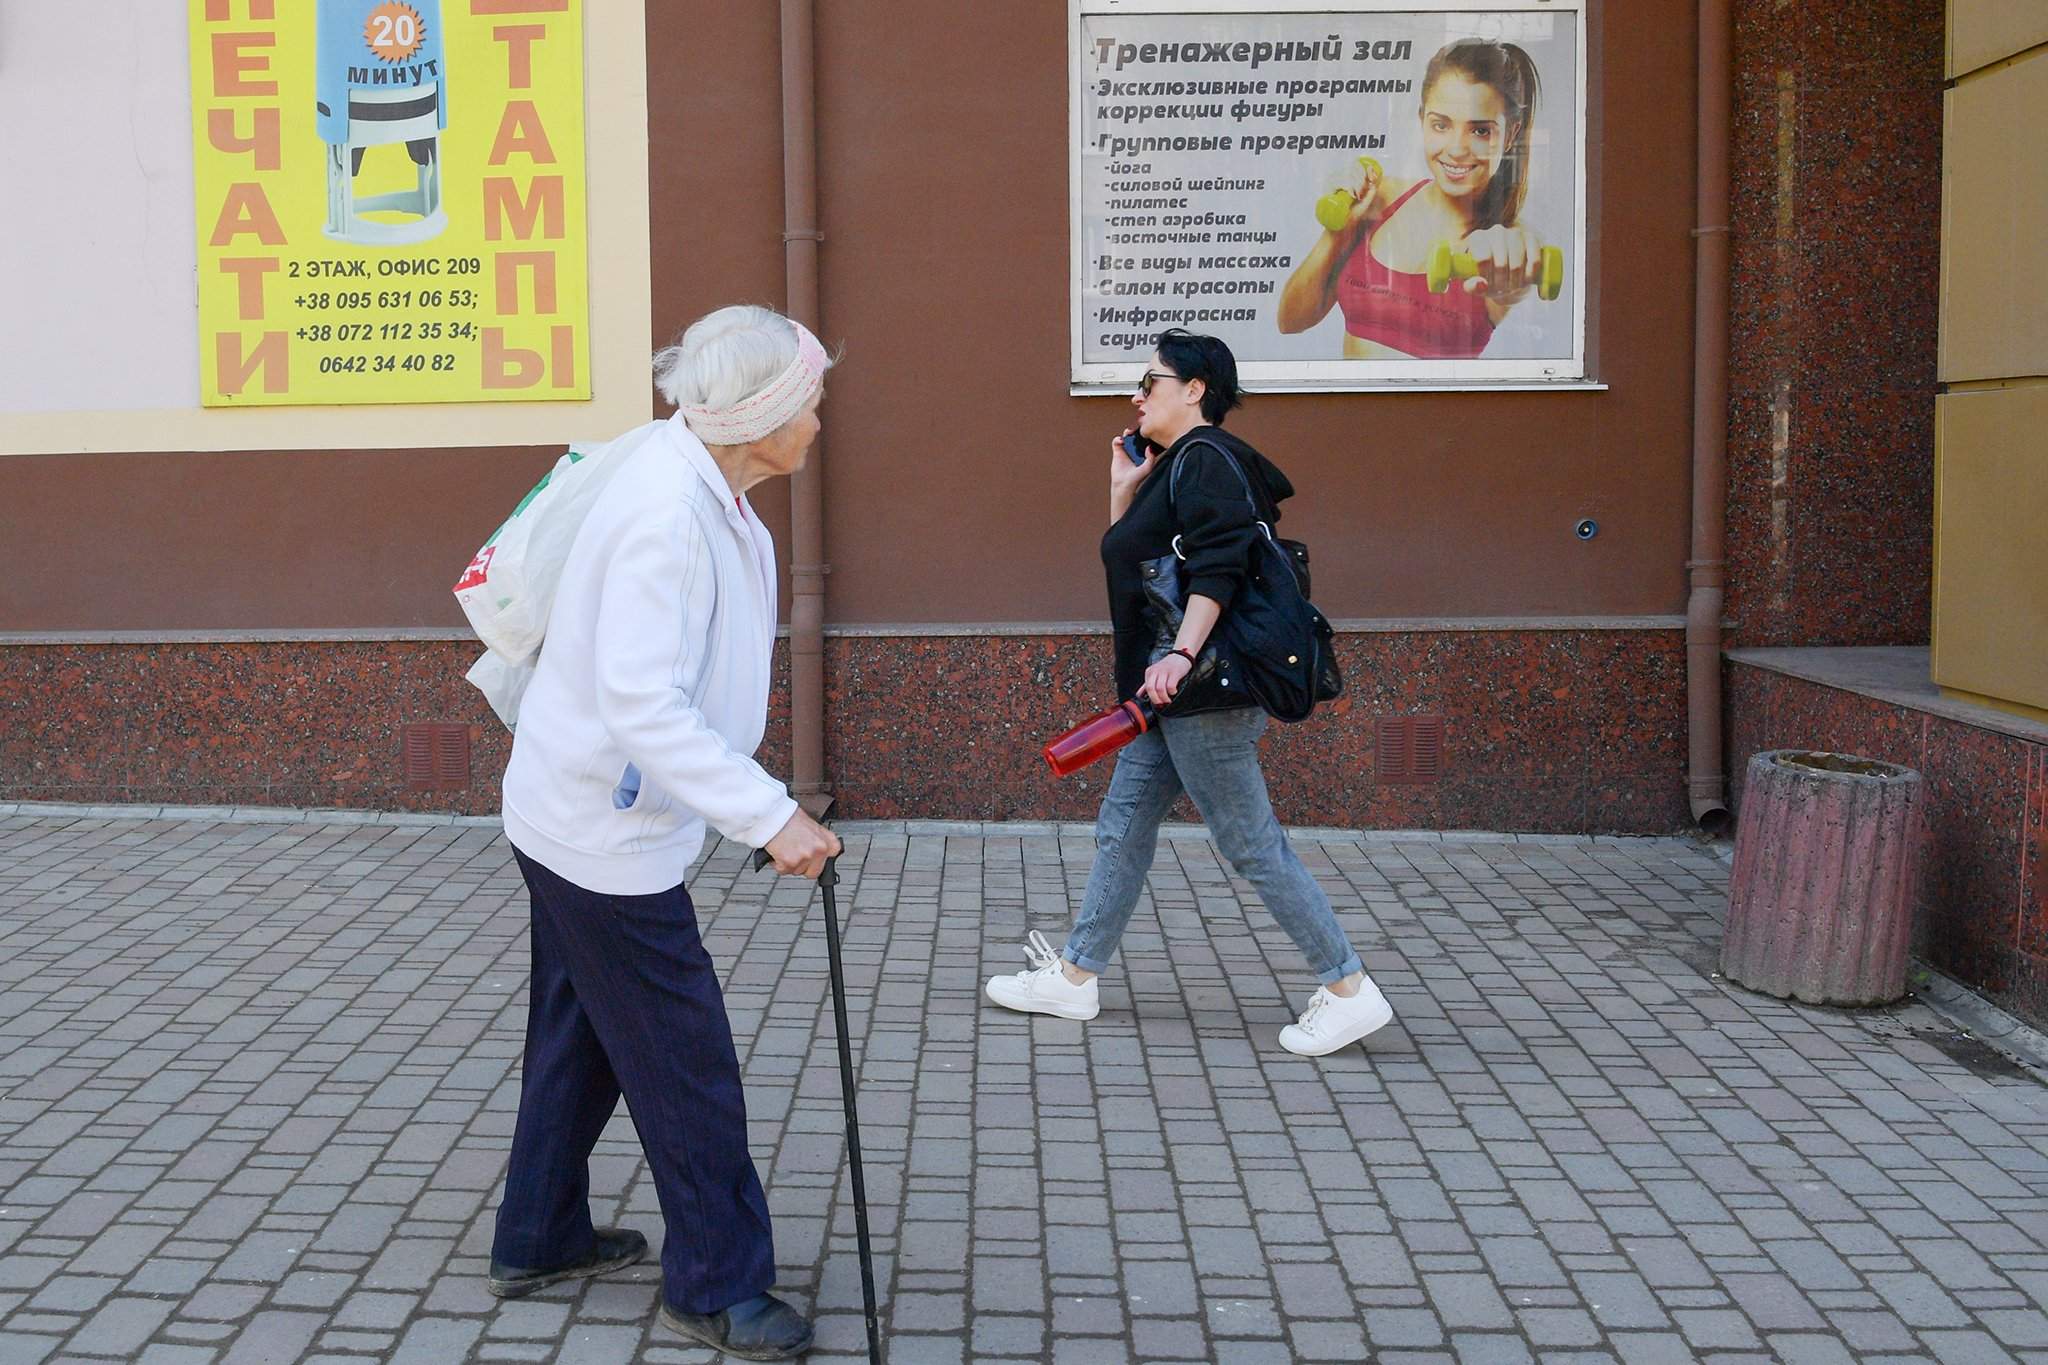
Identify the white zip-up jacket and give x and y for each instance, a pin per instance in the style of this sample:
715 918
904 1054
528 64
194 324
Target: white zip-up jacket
651 693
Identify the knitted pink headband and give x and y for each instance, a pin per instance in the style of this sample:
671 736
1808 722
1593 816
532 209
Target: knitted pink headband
750 419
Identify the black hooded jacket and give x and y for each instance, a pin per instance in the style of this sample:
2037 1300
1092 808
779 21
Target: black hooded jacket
1207 508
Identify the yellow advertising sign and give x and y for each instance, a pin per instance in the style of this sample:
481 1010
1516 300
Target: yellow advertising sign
391 201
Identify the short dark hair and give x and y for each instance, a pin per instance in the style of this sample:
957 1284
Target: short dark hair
1192 356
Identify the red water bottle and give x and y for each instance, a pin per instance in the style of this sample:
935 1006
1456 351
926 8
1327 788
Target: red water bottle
1100 736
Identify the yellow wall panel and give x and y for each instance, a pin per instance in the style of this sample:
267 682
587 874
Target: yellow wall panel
1982 31
1994 291
1990 553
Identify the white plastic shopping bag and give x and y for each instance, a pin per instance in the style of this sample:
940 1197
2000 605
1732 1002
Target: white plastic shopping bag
509 587
503 684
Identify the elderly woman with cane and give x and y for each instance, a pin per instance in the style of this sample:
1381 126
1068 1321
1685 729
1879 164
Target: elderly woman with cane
635 733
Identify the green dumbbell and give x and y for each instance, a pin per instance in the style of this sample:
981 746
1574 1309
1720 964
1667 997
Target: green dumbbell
1333 210
1447 264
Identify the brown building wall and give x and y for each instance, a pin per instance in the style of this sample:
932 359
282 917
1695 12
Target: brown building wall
963 483
247 540
954 451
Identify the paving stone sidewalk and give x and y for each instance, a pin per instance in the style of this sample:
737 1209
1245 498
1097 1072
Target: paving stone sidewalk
257 1084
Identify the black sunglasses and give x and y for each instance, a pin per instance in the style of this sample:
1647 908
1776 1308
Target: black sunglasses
1149 378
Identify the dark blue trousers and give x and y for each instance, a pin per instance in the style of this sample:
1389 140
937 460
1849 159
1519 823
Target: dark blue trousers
624 998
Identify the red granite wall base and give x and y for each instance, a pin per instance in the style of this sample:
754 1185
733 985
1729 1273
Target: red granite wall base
270 724
1836 213
1546 731
1982 915
1555 731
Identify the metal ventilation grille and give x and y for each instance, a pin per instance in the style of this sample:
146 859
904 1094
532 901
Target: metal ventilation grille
435 756
1409 749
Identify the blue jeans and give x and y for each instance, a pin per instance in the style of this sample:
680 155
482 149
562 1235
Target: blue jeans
1214 757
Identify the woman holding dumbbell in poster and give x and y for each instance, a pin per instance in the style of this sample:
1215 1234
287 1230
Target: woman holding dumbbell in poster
1427 269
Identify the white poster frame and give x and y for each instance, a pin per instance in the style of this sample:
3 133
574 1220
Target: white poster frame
1332 376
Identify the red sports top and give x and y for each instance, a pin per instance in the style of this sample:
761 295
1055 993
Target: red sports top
1396 309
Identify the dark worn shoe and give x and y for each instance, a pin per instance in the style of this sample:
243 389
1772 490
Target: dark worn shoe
761 1328
614 1249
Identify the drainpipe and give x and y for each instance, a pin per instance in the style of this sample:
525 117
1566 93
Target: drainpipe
807 567
1706 570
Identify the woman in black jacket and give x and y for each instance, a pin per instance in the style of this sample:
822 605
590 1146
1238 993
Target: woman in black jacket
1201 492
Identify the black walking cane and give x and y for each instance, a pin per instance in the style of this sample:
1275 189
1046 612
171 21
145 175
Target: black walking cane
827 880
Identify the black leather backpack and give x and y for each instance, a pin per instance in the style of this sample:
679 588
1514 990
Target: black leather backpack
1272 645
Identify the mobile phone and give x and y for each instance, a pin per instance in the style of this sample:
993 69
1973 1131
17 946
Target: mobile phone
1135 447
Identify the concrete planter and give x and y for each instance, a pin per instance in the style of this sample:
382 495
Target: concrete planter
1820 904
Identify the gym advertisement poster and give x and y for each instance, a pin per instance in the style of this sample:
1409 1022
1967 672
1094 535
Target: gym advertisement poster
391 201
1347 198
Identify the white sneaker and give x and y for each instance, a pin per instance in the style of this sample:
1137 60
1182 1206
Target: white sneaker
1044 988
1334 1021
